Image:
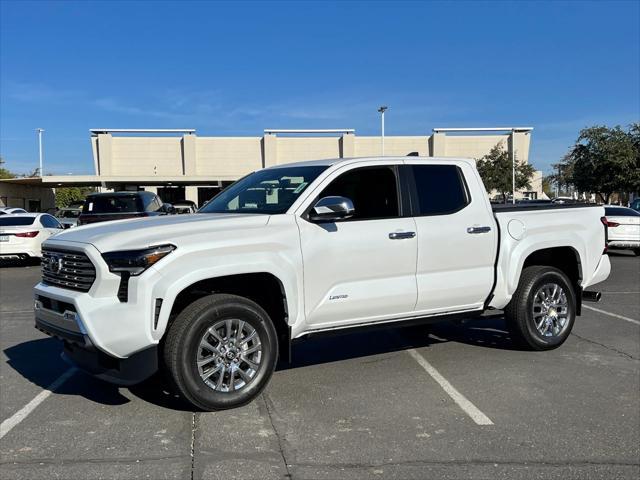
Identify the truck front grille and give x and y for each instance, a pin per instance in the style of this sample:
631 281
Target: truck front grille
67 269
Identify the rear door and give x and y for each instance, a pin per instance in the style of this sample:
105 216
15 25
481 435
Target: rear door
361 269
456 237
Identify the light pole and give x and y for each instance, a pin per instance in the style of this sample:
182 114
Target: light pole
40 130
381 110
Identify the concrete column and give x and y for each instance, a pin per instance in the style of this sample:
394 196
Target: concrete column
269 150
189 160
104 153
348 145
520 144
438 145
191 193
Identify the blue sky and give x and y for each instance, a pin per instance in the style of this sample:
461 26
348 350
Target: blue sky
237 68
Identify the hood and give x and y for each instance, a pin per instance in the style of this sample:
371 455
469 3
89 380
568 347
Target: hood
145 232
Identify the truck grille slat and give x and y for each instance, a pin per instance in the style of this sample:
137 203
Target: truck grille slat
67 269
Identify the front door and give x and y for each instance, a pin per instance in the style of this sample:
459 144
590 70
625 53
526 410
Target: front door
360 270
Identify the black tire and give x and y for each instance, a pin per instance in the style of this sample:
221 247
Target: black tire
519 312
183 345
636 251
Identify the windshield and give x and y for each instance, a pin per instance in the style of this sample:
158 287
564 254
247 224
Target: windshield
269 191
11 221
112 204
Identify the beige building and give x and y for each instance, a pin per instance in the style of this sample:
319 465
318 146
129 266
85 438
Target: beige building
179 164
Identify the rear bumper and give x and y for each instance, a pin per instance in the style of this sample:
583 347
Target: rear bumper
623 243
80 352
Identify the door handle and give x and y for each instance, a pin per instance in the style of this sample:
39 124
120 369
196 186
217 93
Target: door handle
401 235
478 229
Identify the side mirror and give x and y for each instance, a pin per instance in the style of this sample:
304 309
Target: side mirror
330 209
168 208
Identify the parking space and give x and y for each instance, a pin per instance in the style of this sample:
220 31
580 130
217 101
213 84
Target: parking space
353 406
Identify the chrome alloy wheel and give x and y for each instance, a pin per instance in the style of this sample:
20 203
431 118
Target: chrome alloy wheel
229 355
551 310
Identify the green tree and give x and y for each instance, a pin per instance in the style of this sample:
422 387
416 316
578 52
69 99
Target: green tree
4 173
604 160
66 195
495 168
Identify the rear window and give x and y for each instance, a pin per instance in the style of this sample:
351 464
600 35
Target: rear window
620 212
68 214
440 189
11 221
113 204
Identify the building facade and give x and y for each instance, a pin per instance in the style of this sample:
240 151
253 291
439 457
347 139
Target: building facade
180 165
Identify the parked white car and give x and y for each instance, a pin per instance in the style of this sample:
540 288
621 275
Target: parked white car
22 234
294 250
11 210
68 217
623 228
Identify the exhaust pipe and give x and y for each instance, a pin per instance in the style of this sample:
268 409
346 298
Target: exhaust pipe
591 296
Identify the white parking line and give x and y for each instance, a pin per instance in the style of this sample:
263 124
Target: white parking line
604 312
20 415
462 401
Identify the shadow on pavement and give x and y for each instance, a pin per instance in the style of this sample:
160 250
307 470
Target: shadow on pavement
39 360
488 332
15 262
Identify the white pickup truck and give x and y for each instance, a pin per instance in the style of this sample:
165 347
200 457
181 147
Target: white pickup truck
215 298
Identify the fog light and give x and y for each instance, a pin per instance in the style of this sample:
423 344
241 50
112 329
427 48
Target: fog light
37 305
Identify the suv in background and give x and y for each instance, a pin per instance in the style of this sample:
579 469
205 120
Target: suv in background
102 207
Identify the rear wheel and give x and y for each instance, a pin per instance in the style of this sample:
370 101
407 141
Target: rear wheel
542 311
637 252
220 351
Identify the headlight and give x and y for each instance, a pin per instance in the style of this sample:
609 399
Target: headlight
134 262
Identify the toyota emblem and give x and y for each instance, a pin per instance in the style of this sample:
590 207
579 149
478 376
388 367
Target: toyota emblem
55 263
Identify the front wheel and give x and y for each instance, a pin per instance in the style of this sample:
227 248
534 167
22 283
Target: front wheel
542 311
221 351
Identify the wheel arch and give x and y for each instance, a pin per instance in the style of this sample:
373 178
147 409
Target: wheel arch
264 288
564 258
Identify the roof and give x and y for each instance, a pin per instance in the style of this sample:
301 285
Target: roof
332 161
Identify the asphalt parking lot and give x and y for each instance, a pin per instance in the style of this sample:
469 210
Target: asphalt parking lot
383 404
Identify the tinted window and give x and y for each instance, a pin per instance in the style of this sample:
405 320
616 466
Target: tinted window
373 191
112 204
620 212
11 221
49 222
269 191
440 189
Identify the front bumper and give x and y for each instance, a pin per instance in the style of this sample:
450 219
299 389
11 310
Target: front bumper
80 352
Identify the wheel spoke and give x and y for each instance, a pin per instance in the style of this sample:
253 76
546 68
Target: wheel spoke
204 343
245 376
247 338
221 377
250 363
205 361
231 385
208 374
229 327
255 348
214 334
